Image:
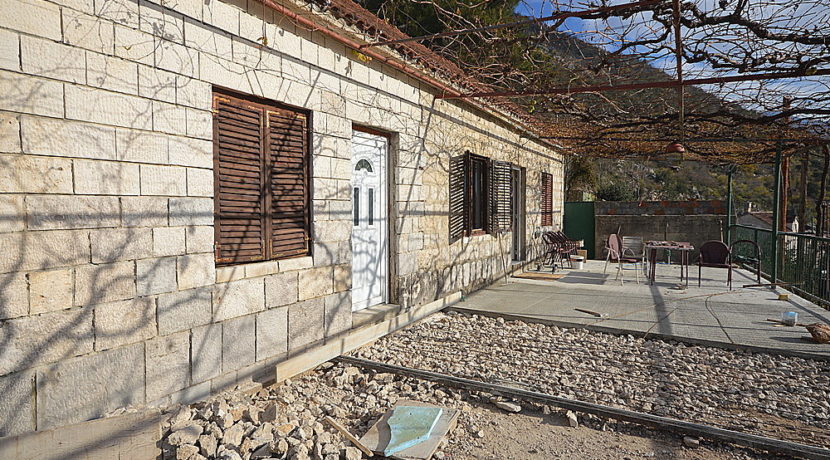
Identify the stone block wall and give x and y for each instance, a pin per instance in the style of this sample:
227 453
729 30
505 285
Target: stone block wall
109 294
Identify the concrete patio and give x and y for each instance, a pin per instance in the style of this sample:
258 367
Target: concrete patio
710 315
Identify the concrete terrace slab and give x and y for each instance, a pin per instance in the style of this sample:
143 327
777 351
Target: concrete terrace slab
709 314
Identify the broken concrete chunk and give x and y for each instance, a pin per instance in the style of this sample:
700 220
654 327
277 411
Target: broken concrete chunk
208 445
572 420
187 434
187 452
352 453
233 435
508 406
689 441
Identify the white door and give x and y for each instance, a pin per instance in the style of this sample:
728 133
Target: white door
369 222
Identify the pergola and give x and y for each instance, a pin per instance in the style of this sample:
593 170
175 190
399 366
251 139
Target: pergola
762 51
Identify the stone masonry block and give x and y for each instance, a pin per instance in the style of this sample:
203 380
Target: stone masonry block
50 290
31 174
281 289
306 322
168 241
199 182
15 296
316 282
12 213
111 73
271 333
9 130
51 212
199 239
238 342
46 58
43 250
176 58
206 40
9 50
89 386
28 94
269 267
120 11
86 31
104 283
296 263
156 84
45 136
32 17
41 339
183 310
338 313
140 146
163 180
199 124
134 45
238 298
168 364
169 118
342 278
143 211
191 152
17 404
93 177
155 276
191 211
158 21
114 244
193 93
206 352
196 270
108 108
123 322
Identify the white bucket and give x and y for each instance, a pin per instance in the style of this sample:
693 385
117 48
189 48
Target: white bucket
578 261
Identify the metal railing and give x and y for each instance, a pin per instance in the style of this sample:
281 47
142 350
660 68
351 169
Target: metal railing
803 260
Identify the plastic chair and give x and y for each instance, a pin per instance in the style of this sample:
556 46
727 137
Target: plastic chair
715 254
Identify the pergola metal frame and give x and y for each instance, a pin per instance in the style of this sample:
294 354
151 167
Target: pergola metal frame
678 82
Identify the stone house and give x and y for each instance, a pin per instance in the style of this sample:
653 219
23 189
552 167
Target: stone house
196 192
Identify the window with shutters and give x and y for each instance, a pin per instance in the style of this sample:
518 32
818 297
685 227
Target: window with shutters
547 200
479 196
261 180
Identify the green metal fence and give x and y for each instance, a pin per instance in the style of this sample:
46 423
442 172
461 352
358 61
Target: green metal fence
803 260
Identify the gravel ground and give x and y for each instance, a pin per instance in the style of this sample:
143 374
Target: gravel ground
783 397
285 421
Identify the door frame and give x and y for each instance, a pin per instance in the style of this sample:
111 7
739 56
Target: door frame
518 210
390 294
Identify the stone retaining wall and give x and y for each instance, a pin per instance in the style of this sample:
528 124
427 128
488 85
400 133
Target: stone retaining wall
109 294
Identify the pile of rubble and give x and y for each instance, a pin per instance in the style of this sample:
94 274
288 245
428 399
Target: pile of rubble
728 388
286 421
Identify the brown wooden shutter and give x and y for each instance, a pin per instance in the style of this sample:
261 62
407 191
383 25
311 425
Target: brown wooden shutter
459 218
500 184
287 158
547 199
240 219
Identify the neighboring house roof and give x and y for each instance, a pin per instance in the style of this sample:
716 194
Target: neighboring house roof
762 218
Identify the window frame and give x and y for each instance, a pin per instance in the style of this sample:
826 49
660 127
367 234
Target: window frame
267 189
484 199
546 205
